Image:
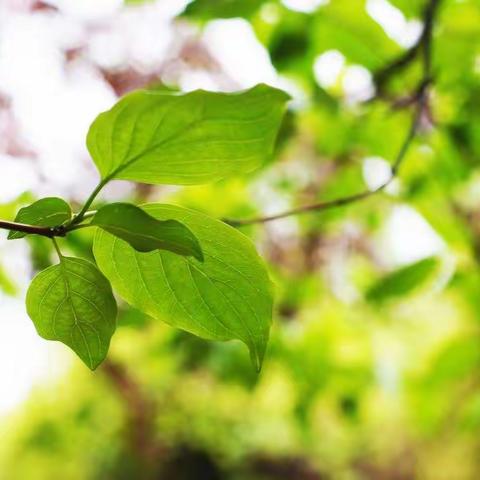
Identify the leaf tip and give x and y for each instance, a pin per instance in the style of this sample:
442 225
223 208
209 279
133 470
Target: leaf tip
94 366
92 362
257 353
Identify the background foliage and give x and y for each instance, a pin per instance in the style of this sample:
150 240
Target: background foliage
372 371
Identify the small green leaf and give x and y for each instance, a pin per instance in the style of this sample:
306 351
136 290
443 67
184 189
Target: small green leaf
144 232
402 281
185 139
46 212
228 296
72 302
210 9
137 2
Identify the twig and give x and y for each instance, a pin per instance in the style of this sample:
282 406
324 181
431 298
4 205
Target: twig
32 229
50 232
419 99
407 57
342 201
84 210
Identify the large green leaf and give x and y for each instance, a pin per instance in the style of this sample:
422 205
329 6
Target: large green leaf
72 302
198 137
144 232
46 212
228 296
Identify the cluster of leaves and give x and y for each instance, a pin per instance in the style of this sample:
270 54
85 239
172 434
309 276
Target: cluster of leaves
191 271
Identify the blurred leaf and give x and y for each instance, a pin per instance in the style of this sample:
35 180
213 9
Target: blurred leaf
458 359
290 45
194 138
46 212
137 2
410 8
228 296
6 283
9 209
40 251
208 9
72 302
132 317
144 232
402 281
346 26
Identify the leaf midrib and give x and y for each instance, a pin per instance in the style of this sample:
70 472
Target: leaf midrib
164 142
72 306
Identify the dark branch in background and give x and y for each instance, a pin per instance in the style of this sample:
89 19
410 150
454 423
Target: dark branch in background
419 99
340 202
140 415
383 75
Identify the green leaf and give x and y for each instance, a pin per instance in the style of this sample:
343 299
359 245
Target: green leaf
137 2
144 232
184 139
346 26
46 212
402 281
72 302
228 296
209 9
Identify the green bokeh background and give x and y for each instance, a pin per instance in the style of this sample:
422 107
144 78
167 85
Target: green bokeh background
384 384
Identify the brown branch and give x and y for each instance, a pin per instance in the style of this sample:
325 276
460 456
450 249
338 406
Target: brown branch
419 99
342 201
32 229
383 75
406 58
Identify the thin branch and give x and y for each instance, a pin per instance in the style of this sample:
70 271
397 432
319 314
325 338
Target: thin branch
342 201
69 227
50 232
57 248
89 214
406 58
419 100
429 18
383 75
32 229
81 214
60 230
